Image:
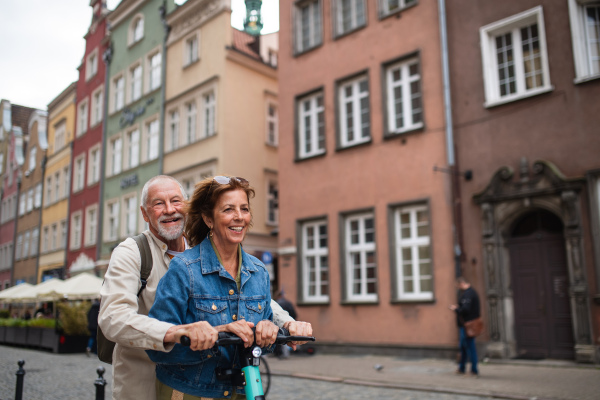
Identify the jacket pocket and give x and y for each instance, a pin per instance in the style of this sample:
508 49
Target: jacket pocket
212 311
256 310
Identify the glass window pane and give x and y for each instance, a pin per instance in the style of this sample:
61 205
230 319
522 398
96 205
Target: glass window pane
408 286
426 285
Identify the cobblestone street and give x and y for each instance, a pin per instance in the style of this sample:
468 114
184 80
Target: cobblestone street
71 377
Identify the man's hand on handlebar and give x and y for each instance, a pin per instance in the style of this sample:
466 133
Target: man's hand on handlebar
266 333
242 329
201 334
298 328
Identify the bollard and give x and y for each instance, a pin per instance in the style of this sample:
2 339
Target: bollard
20 378
100 383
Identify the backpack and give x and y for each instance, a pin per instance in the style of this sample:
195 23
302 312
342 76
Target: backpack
105 346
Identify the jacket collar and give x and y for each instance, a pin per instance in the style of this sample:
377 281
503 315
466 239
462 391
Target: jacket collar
210 262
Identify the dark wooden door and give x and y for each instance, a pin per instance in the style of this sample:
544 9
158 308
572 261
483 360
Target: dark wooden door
539 280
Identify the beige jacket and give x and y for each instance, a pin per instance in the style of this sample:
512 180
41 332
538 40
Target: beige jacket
123 318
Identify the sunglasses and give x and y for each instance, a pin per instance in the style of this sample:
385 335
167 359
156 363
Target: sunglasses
224 180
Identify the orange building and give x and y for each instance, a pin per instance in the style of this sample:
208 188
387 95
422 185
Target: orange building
366 241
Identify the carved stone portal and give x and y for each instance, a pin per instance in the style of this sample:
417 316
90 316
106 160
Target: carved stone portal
506 199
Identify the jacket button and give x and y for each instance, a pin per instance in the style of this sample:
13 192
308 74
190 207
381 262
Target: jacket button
130 343
226 393
214 307
154 345
230 291
234 317
259 307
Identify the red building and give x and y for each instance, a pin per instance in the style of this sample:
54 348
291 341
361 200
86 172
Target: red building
84 205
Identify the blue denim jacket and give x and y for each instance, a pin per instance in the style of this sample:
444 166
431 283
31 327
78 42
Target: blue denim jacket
197 288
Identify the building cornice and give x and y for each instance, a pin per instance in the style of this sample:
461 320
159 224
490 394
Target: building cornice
69 91
123 10
194 14
249 62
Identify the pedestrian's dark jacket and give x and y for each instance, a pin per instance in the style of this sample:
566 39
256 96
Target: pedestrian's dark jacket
92 316
287 306
468 306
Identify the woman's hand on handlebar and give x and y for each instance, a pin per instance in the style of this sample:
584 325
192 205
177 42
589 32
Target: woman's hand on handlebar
298 328
242 329
266 333
202 335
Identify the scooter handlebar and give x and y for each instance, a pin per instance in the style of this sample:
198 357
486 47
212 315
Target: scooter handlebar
228 339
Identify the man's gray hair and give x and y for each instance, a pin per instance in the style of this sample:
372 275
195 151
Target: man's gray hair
144 200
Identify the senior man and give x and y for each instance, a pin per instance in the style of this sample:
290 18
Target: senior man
123 315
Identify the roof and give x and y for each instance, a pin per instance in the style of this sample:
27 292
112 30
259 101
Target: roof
20 117
245 43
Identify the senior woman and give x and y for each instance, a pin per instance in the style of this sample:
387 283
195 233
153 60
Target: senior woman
215 281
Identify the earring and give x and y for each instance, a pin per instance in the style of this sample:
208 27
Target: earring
210 232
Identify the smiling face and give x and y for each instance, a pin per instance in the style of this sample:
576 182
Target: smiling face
163 210
231 218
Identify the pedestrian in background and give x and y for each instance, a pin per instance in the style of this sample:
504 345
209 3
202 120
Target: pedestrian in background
466 310
92 318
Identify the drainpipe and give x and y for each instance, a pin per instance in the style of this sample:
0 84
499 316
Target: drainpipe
163 87
454 176
107 58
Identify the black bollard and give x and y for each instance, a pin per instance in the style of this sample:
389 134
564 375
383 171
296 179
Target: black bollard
20 379
100 383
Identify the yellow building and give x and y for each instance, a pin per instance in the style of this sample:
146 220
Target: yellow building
57 178
221 109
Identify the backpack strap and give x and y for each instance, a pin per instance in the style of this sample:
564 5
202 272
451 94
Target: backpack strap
146 256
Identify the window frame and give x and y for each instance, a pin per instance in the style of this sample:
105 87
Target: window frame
94 165
117 98
150 138
91 64
317 252
135 87
315 134
337 10
581 56
97 107
315 27
384 12
154 74
128 213
76 234
346 249
272 138
272 203
90 225
83 110
113 167
191 122
79 172
209 113
342 130
136 29
108 233
191 49
173 132
513 25
131 156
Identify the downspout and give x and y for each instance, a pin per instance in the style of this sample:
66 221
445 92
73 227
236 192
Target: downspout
163 87
107 58
450 136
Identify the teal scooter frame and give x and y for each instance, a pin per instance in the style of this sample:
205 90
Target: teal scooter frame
249 376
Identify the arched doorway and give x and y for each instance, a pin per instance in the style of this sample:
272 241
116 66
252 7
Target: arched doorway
540 286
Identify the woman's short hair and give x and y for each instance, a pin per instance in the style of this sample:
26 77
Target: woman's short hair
203 201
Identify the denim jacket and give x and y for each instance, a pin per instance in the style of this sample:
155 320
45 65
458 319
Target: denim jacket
198 288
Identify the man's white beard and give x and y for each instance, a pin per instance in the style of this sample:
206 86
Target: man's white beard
173 232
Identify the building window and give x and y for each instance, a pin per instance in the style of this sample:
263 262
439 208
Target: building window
37 202
60 135
354 113
82 117
30 200
79 173
54 237
190 50
515 58
76 224
315 262
63 234
404 97
413 253
155 66
152 140
272 203
57 186
173 140
91 225
112 220
133 148
136 29
119 93
1 159
359 253
388 7
91 67
136 82
115 149
46 240
311 125
32 158
272 124
26 239
97 107
35 241
48 191
22 203
349 15
209 114
94 165
308 25
130 217
19 247
190 131
67 181
585 35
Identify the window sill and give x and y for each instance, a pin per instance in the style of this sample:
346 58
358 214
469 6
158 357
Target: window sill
413 301
311 156
308 303
307 50
354 145
348 33
397 13
586 78
186 66
397 134
272 145
499 102
373 302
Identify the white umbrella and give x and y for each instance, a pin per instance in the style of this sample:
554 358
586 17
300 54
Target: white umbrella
44 290
82 286
6 294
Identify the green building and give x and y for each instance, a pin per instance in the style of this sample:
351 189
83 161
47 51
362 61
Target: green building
133 133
